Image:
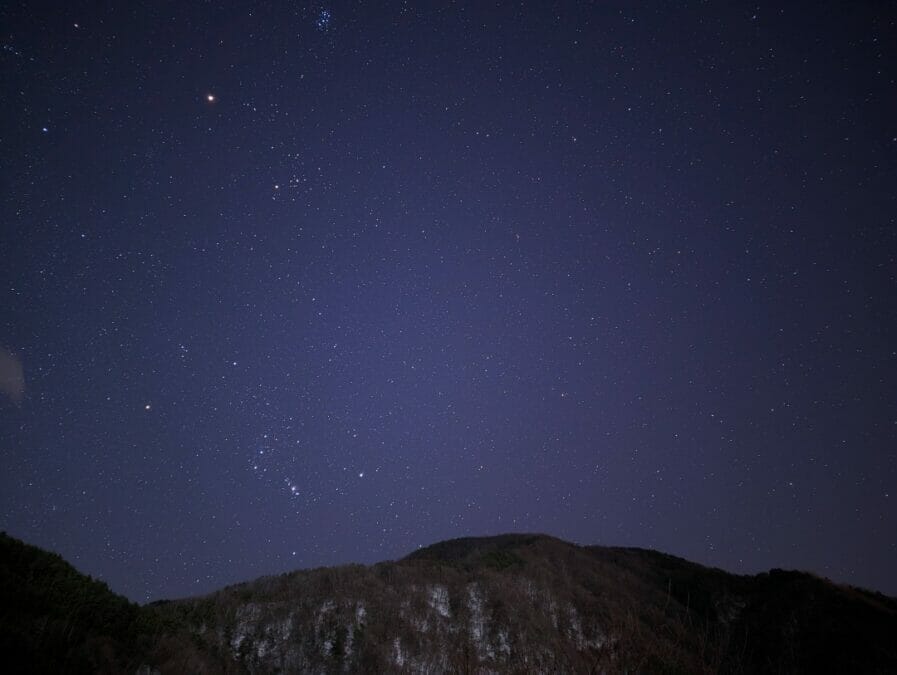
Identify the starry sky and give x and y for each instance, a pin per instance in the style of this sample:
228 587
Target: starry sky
287 285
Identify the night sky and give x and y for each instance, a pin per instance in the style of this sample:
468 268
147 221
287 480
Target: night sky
287 285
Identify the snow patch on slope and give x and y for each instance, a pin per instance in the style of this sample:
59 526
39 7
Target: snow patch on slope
476 603
398 654
247 616
439 600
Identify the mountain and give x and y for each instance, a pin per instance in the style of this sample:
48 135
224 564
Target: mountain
53 618
514 603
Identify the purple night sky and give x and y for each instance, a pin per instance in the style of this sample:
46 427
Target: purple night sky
300 284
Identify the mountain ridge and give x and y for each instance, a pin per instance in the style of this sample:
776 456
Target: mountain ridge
517 602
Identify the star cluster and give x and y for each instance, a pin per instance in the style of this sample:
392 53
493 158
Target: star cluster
310 286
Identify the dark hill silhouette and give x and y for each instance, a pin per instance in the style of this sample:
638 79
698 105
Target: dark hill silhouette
514 603
53 617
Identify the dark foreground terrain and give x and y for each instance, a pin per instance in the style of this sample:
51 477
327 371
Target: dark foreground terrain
506 604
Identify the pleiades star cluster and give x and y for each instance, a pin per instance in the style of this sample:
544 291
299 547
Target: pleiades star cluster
290 284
